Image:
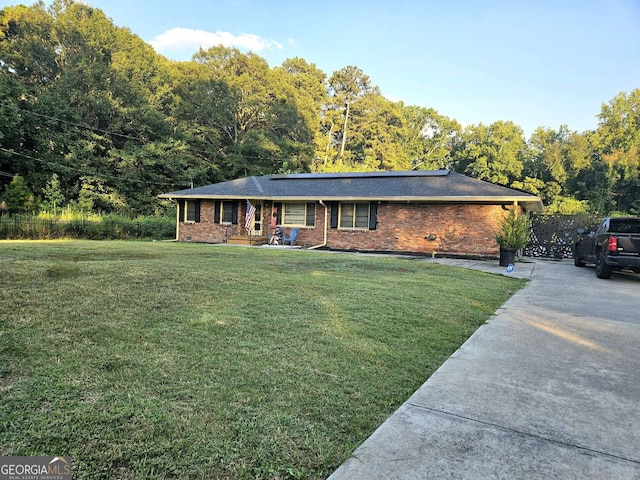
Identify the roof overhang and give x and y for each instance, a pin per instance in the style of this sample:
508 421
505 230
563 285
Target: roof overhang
532 203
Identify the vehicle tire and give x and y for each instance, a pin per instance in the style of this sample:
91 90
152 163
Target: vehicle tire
602 269
577 261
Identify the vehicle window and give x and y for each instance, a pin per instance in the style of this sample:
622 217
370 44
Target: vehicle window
625 226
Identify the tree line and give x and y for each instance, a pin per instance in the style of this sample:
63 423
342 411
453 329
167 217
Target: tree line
91 116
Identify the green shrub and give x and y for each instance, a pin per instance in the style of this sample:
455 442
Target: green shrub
514 231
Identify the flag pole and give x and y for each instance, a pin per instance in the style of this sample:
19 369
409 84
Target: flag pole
250 212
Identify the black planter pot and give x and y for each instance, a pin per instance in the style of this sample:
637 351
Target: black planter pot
507 256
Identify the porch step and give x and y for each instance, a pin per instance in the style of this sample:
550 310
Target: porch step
248 240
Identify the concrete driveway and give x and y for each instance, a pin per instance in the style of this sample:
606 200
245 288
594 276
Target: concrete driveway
549 388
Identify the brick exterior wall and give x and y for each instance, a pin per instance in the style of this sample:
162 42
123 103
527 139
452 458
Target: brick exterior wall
459 229
206 231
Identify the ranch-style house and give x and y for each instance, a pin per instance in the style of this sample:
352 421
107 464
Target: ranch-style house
435 212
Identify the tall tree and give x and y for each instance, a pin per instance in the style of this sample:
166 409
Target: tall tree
619 123
544 166
27 68
27 44
554 158
117 123
377 132
429 137
346 86
308 87
491 152
624 174
255 112
92 107
616 143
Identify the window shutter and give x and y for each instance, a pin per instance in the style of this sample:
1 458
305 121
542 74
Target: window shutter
334 215
234 213
216 212
181 210
373 215
197 212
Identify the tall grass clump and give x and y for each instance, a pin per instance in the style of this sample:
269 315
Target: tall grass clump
70 223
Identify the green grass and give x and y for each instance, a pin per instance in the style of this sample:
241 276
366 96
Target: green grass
167 360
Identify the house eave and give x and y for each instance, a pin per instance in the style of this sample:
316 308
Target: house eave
532 203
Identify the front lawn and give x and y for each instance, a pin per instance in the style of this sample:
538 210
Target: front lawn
167 360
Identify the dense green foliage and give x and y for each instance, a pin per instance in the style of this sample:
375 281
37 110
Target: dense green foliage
93 227
147 360
116 123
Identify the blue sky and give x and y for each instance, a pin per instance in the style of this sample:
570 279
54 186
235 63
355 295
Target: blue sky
534 62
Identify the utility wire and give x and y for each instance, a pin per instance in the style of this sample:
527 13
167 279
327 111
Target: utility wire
121 135
42 115
83 171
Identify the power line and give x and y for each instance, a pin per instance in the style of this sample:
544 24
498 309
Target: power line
121 135
83 171
42 115
95 129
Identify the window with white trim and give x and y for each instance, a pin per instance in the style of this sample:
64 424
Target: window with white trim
354 216
191 211
298 214
227 212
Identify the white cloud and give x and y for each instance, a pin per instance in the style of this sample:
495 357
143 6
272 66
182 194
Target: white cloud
186 39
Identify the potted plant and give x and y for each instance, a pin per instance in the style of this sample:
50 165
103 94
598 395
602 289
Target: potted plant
512 236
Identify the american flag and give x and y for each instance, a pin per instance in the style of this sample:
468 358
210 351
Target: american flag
251 213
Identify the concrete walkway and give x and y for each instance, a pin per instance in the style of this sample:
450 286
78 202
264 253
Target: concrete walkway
549 388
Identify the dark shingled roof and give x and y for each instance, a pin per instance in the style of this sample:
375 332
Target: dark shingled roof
412 186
